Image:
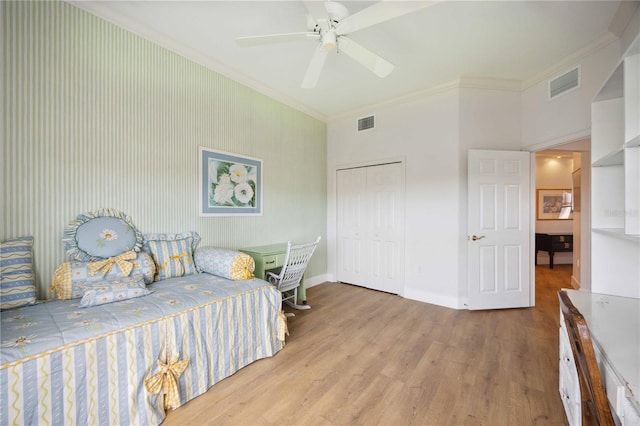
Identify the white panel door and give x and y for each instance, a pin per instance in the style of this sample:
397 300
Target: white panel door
353 226
370 204
499 229
385 185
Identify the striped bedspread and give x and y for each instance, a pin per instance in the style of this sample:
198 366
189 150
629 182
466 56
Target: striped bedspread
62 364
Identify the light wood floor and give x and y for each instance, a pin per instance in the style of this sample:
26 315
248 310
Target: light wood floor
370 358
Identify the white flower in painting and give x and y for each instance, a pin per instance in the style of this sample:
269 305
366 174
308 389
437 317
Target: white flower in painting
223 193
244 192
109 234
238 173
225 178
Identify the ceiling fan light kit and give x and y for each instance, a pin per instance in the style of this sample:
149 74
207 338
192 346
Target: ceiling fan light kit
329 40
331 33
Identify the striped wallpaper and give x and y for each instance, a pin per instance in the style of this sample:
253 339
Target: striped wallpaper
95 116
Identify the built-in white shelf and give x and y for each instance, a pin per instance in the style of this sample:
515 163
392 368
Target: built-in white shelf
614 86
616 233
615 158
633 142
615 179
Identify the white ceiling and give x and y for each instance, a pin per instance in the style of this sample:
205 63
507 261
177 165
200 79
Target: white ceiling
514 40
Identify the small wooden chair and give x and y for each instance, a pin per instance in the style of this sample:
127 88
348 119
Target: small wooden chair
594 404
288 278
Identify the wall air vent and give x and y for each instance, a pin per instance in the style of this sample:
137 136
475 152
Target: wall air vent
564 83
365 123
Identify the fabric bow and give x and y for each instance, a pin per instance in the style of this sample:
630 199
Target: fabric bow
121 260
166 381
282 326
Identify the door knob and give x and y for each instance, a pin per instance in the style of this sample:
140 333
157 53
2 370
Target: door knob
476 238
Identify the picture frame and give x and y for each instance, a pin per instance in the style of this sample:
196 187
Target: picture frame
553 204
576 190
230 184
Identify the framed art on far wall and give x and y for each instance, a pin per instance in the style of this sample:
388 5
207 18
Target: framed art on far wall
230 184
553 204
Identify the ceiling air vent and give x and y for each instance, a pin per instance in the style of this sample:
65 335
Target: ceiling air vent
564 83
365 123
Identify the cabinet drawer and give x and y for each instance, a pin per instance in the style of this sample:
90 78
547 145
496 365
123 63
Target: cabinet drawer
273 261
562 239
568 384
629 414
270 261
557 246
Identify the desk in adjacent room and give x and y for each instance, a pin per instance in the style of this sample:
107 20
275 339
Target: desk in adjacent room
553 243
271 256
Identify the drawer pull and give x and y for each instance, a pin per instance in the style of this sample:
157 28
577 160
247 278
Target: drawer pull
270 262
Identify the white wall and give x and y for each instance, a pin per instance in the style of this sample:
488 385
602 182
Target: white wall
424 132
566 118
489 119
432 135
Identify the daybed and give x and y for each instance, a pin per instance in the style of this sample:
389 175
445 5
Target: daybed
77 361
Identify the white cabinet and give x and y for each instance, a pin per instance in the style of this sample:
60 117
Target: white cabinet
615 180
614 325
568 384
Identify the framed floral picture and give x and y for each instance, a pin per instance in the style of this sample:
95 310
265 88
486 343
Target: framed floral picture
230 184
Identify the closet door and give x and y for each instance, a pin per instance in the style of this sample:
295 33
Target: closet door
371 227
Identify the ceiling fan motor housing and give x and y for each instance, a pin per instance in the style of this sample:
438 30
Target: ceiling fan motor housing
336 11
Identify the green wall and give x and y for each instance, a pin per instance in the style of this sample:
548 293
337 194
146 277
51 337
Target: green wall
95 116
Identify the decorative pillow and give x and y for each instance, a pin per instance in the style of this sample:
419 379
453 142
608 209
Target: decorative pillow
115 290
101 234
173 253
230 264
71 279
17 279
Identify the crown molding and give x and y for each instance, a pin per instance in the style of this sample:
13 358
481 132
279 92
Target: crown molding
490 83
480 83
571 60
102 12
420 94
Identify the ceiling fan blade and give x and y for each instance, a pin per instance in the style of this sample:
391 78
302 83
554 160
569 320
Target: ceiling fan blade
378 13
315 67
275 38
316 9
379 66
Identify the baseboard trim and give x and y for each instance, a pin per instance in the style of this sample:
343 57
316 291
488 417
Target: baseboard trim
434 299
575 283
315 280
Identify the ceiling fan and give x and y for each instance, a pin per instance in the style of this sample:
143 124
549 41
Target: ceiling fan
329 23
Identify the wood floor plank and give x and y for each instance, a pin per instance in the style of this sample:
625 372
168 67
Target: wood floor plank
364 357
